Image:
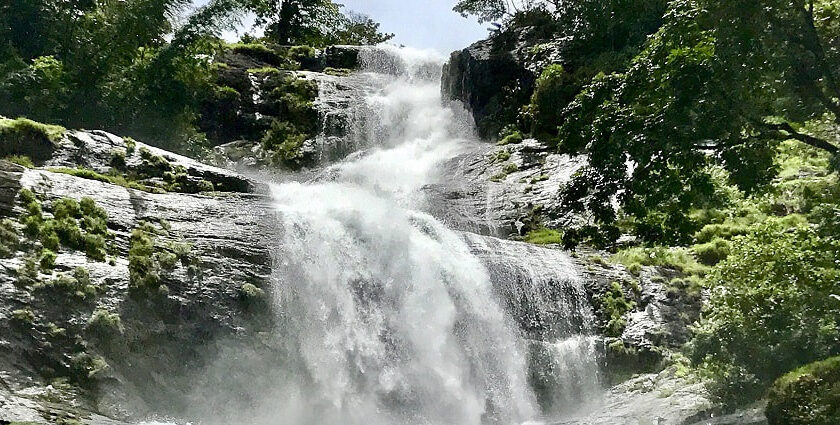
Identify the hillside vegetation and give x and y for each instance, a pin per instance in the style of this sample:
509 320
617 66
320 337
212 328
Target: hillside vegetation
712 135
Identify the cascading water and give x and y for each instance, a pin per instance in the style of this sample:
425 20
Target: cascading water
387 317
394 319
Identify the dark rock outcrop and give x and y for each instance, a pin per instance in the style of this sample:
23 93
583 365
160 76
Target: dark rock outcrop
490 77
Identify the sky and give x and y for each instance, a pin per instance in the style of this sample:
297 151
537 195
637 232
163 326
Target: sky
423 24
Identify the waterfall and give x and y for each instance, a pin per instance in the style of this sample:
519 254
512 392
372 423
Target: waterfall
384 316
394 320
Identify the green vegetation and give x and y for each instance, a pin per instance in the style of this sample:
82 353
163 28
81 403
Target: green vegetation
47 261
315 23
105 323
266 70
615 305
21 160
251 292
512 138
772 309
501 156
680 260
506 170
114 178
149 260
24 316
78 285
79 226
809 395
24 130
143 270
544 236
337 72
293 99
9 238
140 71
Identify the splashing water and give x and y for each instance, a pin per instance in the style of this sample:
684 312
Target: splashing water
395 320
386 316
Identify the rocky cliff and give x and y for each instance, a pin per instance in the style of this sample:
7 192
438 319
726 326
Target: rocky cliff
137 280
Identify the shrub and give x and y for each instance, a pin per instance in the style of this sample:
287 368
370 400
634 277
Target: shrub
674 258
337 72
265 70
251 292
285 141
712 252
116 179
24 316
27 273
24 130
301 53
9 238
614 306
66 208
513 138
167 260
105 323
47 259
142 268
78 284
21 160
258 51
771 309
130 145
118 159
544 236
501 156
809 395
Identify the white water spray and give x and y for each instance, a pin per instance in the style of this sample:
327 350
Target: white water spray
395 321
384 315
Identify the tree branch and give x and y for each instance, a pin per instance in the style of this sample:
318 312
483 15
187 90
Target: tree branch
785 130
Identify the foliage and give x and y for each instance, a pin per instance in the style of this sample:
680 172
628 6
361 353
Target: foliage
712 252
316 23
615 305
678 259
47 261
809 395
512 138
9 238
24 131
21 160
125 62
105 323
771 309
721 82
142 267
77 285
544 236
116 179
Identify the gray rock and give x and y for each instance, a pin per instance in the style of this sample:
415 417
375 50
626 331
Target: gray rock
479 195
490 77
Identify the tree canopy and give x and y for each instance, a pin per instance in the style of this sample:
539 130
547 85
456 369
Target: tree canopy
721 82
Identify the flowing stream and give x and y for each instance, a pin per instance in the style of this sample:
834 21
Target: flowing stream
388 317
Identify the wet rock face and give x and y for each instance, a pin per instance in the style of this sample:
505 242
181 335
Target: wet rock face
490 77
504 190
660 399
56 363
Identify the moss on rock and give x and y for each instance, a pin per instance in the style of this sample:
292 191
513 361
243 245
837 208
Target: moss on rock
809 395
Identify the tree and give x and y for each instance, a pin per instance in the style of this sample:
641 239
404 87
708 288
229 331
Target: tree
772 308
315 23
721 82
298 22
360 30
